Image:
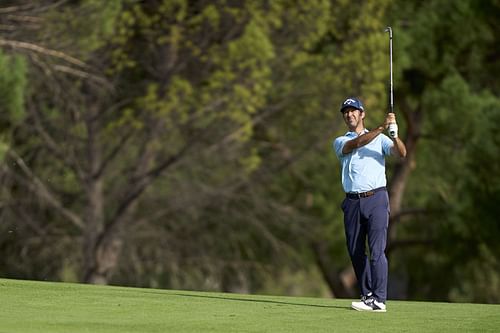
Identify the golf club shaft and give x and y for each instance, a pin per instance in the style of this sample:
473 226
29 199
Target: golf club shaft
392 126
391 87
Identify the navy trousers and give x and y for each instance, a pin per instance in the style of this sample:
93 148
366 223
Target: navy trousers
368 219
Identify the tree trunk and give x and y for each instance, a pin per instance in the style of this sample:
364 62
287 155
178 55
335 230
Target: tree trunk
94 226
402 172
341 284
105 260
99 253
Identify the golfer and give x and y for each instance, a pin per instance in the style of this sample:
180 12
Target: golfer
366 206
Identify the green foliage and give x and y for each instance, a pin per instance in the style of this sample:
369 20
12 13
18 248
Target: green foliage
481 168
90 23
445 65
13 82
12 88
478 278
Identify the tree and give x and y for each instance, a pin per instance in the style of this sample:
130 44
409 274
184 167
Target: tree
443 87
193 75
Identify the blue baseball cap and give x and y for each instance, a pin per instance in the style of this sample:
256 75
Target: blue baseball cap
352 102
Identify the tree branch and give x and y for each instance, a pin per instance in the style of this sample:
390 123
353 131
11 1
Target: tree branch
40 49
13 9
23 18
82 74
410 211
112 154
41 190
137 188
396 244
54 148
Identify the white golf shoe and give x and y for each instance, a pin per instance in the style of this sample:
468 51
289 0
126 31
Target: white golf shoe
369 304
363 298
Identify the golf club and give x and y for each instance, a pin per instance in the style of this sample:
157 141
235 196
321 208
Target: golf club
391 93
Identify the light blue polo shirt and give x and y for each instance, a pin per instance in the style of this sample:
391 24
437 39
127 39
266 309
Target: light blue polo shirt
363 169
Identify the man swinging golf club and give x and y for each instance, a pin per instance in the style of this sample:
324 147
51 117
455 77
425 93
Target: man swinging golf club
366 205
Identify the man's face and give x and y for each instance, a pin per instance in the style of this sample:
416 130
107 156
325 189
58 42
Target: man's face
352 117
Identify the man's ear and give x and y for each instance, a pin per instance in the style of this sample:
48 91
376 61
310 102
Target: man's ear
362 114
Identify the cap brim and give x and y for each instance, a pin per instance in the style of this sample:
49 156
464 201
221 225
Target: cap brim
352 107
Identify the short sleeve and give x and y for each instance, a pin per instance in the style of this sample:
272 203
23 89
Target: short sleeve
338 145
387 144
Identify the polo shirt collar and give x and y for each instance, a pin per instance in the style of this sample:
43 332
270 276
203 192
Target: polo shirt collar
354 134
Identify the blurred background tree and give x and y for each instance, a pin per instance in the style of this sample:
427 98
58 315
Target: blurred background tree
187 144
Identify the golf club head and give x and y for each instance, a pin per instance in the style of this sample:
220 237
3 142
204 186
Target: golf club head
389 30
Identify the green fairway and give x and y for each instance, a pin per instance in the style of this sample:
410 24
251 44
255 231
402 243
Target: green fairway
28 306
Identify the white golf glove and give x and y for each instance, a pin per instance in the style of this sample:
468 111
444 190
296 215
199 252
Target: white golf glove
393 130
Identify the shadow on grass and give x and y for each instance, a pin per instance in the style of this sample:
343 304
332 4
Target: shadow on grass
264 301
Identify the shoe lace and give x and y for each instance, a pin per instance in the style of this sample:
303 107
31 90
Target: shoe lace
365 297
369 300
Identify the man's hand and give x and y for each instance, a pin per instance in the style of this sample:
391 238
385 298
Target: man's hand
390 118
390 122
399 148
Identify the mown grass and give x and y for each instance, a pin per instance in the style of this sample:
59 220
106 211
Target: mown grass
30 306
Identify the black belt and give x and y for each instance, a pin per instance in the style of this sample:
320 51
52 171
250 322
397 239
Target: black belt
364 194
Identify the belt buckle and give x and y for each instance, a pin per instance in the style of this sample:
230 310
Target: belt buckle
366 194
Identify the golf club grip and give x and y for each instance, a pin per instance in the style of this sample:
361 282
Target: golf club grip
392 131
